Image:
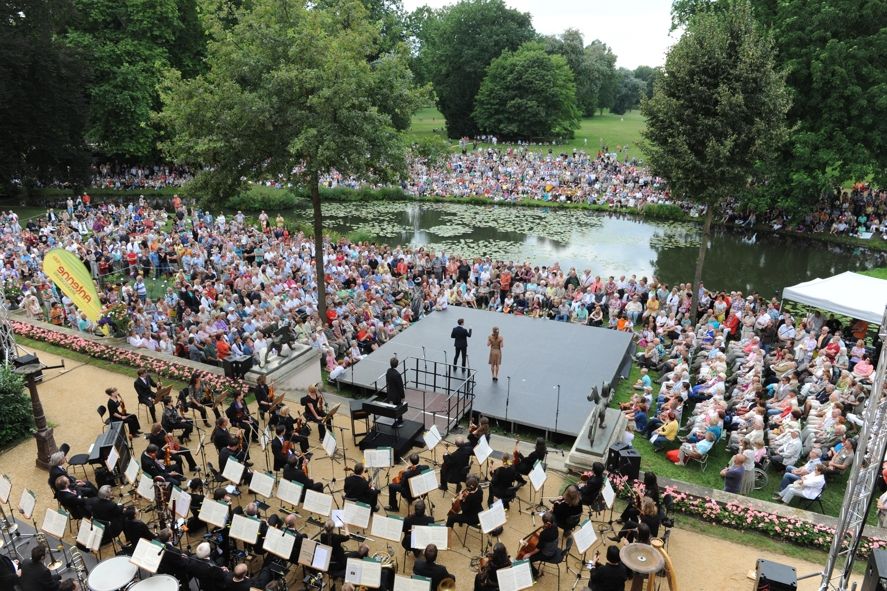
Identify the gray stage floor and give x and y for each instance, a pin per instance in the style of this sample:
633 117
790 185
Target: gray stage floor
537 356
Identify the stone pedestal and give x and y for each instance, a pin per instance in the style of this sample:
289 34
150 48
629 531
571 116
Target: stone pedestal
585 453
45 447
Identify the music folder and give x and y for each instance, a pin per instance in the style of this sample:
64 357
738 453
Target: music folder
518 577
364 573
147 555
315 555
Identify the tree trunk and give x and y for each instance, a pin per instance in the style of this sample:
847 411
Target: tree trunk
318 248
700 260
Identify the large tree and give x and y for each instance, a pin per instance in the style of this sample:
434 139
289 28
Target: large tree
629 91
528 94
570 45
293 90
601 63
43 108
716 113
459 43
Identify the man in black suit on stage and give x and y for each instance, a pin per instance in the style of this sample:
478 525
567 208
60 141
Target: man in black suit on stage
460 337
394 383
143 386
35 576
427 567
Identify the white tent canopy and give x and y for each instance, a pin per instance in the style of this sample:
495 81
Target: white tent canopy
850 294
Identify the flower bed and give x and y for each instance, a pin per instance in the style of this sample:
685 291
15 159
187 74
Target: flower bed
747 517
166 367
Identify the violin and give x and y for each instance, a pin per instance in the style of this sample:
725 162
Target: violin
456 507
529 544
516 455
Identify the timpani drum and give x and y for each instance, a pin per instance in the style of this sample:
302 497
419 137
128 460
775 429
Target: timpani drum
157 583
112 574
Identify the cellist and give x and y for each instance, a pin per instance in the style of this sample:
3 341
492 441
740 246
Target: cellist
541 545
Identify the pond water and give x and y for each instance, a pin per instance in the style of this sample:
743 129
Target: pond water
606 244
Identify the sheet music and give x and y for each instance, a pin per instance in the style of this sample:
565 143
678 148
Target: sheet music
423 483
262 483
317 502
306 552
322 556
90 534
414 583
482 450
279 542
113 457
387 528
382 457
5 488
183 504
329 443
214 512
147 555
244 528
492 517
145 487
233 471
55 522
365 573
338 517
422 535
538 475
608 493
26 503
585 536
432 437
132 471
289 492
357 514
518 577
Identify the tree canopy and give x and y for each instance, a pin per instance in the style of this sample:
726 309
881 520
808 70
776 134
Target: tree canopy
528 94
458 43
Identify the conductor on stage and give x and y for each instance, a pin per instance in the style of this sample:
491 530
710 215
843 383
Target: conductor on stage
460 338
394 383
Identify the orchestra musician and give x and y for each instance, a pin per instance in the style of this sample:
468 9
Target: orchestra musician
335 541
172 420
296 429
117 412
418 517
358 487
174 562
591 490
152 466
201 567
470 502
525 463
315 409
221 534
486 579
291 525
73 502
281 447
144 386
502 484
57 463
238 414
35 576
133 528
567 509
481 429
195 488
546 549
401 483
294 471
221 434
199 398
610 576
162 439
427 567
454 469
252 510
263 396
105 509
235 449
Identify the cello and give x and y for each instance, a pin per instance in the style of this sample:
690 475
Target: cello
529 544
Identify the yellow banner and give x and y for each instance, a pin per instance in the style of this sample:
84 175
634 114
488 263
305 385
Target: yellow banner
72 277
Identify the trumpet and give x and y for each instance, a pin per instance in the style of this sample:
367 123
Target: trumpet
80 569
53 563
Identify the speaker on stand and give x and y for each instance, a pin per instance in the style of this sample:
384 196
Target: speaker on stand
624 459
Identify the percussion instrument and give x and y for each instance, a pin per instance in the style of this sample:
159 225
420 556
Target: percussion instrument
156 583
112 574
644 560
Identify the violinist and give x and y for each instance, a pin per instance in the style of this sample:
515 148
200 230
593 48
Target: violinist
172 420
234 450
296 429
525 463
238 414
294 471
221 434
546 548
281 447
591 490
199 398
417 518
486 579
567 509
401 483
481 429
358 488
315 409
154 468
176 453
454 468
195 488
502 484
117 412
146 395
469 502
263 395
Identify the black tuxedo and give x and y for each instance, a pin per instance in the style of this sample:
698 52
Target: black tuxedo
153 468
394 386
134 530
460 337
435 572
294 474
277 452
209 575
87 490
221 438
404 487
408 523
471 506
73 503
111 513
36 577
357 488
455 466
143 387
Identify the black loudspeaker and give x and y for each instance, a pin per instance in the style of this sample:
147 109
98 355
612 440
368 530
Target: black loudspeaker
772 576
876 572
28 359
624 459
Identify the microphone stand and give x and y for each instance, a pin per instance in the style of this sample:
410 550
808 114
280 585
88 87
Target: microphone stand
507 399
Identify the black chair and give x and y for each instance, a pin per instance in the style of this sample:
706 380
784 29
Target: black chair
103 410
807 503
571 523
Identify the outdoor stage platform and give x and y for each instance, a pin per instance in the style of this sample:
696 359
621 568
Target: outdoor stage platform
537 357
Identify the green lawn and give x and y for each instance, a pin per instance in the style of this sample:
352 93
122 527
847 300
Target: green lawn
879 272
718 458
613 131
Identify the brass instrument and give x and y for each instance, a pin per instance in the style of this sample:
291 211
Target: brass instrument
80 569
8 525
448 584
53 563
386 559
